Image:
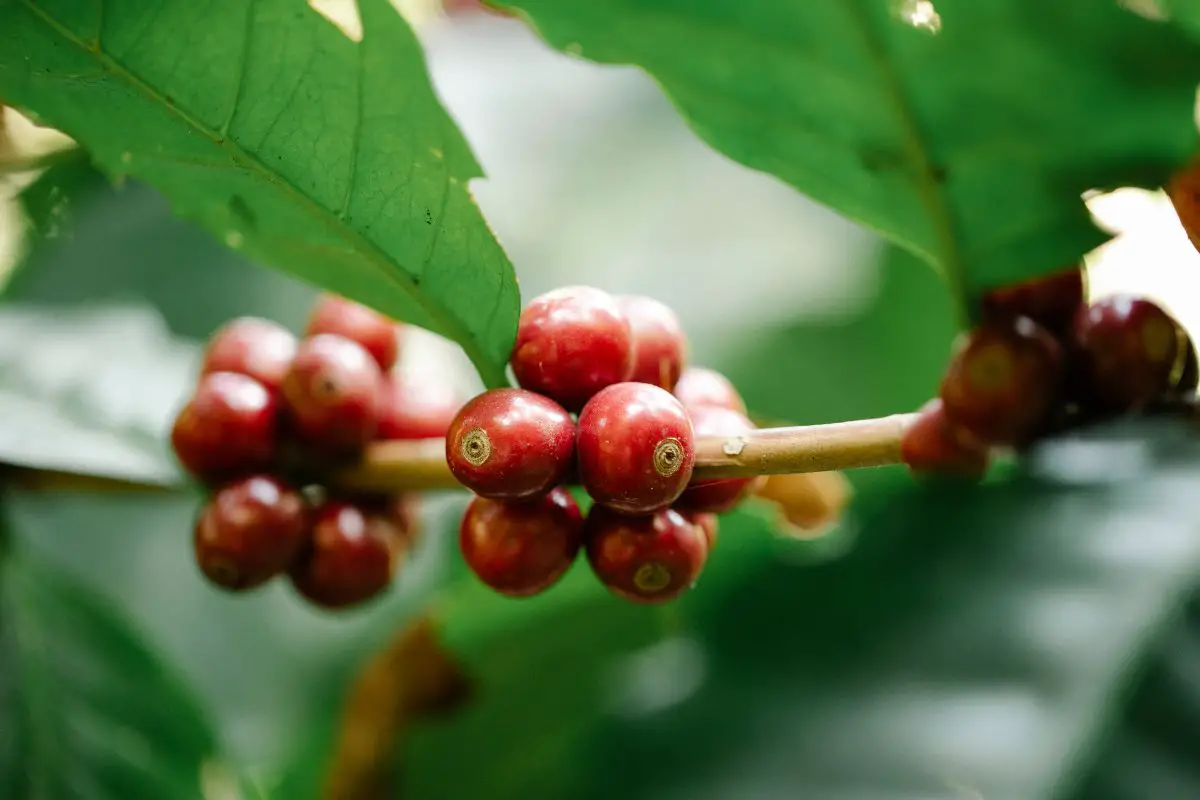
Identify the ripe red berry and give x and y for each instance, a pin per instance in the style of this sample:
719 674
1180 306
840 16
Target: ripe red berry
659 343
708 525
249 532
699 386
510 444
647 559
333 393
377 334
717 496
1051 301
635 447
571 343
520 549
929 445
412 410
1003 381
228 427
1189 373
1126 348
251 346
353 555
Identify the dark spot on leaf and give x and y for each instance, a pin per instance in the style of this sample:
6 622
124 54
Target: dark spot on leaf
428 217
242 212
939 173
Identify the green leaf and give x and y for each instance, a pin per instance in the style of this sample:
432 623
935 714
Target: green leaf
972 642
85 709
91 392
318 155
970 146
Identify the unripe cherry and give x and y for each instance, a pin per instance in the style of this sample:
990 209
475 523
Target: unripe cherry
333 393
227 428
700 386
259 348
571 343
520 549
659 343
510 444
374 332
635 447
646 559
722 495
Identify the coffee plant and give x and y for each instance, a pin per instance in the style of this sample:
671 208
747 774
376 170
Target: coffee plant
260 537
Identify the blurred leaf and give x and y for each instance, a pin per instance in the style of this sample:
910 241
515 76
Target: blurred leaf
330 174
966 135
90 392
973 643
85 709
1185 12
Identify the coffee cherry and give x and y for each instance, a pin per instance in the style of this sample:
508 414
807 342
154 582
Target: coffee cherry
333 393
717 496
339 316
249 532
636 448
659 343
353 555
647 559
708 525
1003 381
699 386
510 444
807 503
412 410
1189 374
1051 301
228 427
521 549
1126 348
571 343
929 445
251 346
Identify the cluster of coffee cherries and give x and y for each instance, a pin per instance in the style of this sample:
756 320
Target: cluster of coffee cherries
268 413
605 401
1043 361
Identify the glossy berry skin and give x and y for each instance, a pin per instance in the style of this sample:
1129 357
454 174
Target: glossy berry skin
411 410
521 549
333 393
1003 381
635 448
700 386
251 346
510 444
646 559
249 532
721 495
1051 301
708 525
930 446
377 334
352 557
659 343
571 343
228 427
1126 348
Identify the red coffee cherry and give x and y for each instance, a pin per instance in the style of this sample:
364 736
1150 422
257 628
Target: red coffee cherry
636 448
412 410
1126 348
510 444
929 445
521 549
659 343
1051 301
377 334
249 532
355 551
571 343
1003 381
251 346
699 386
717 496
646 559
1189 372
333 393
708 525
228 427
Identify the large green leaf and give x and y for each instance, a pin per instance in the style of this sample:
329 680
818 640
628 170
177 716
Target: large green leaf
321 156
973 642
970 146
85 709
